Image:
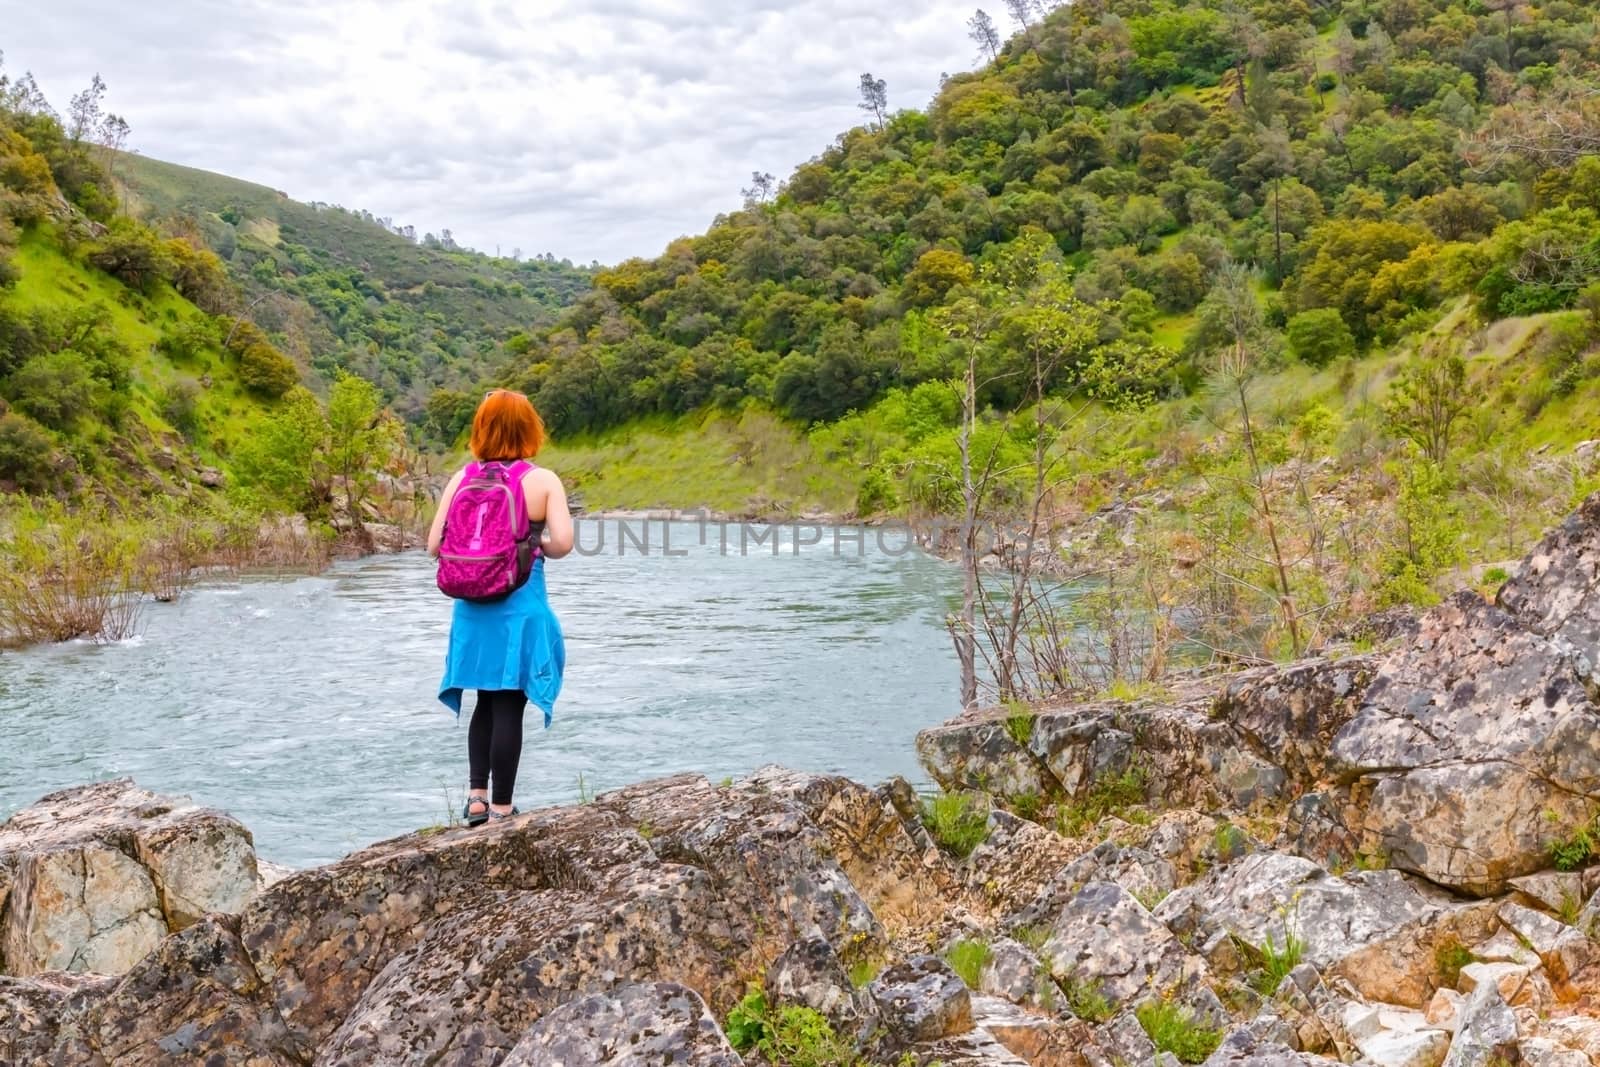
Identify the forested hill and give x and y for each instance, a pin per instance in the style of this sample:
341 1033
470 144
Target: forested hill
1369 162
343 290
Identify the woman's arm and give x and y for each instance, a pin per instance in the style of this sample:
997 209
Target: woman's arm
557 516
436 531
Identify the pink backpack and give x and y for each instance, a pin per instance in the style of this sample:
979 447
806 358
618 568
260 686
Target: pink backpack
488 547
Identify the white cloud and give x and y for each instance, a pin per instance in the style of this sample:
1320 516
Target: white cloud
593 130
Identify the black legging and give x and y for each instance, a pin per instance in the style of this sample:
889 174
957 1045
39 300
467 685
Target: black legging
494 741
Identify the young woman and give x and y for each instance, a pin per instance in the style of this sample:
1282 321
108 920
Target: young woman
510 651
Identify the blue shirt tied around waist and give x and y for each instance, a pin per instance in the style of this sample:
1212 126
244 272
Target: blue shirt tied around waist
513 643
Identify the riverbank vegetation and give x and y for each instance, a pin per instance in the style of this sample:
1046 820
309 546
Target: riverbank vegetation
1269 317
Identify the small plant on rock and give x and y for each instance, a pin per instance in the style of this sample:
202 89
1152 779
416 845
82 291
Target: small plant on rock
1574 851
746 1024
1086 1000
1025 805
1111 795
1449 957
958 821
1277 961
1019 723
1174 1029
968 959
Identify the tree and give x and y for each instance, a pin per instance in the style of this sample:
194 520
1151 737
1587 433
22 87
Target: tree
984 34
1427 401
86 110
874 97
760 189
133 254
27 454
266 371
1318 337
362 440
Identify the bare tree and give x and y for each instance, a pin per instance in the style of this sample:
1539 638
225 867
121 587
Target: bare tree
761 189
984 33
874 97
1237 364
85 111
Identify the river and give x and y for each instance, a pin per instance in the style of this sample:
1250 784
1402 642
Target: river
307 706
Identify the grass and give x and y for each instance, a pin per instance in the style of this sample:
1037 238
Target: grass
1575 849
1087 1000
958 821
862 972
968 959
750 463
1277 961
1025 805
1111 795
1019 724
1449 957
1173 1029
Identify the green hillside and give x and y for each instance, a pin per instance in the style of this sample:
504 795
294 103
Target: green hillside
341 290
1293 308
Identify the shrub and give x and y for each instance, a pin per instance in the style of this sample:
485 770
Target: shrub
180 406
1320 336
793 1036
958 821
53 389
968 959
1173 1029
68 574
27 454
133 254
266 371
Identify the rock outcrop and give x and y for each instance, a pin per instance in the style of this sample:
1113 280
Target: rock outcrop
92 879
1341 860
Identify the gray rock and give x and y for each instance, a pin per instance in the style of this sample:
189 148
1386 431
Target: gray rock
1015 973
1269 895
1246 1048
1469 739
658 1024
1290 715
1556 591
1104 938
1487 1030
810 975
977 753
922 1000
92 878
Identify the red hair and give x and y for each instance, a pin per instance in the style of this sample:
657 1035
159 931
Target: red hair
506 428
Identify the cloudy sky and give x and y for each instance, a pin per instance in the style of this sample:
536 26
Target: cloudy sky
593 130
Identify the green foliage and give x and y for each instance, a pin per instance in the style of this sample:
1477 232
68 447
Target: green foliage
1278 960
746 1023
1320 336
1172 1028
1087 1000
1449 957
968 959
1576 849
1430 529
266 371
28 459
1113 794
958 821
1019 724
133 254
793 1036
364 295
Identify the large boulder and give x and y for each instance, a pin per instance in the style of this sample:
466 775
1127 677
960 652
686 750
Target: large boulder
462 946
1556 591
1233 914
1102 938
655 1024
1475 746
92 878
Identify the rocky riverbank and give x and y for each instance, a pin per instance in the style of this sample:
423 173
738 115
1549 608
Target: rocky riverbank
1380 859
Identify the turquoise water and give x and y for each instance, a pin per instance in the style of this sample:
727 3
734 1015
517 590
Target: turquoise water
307 707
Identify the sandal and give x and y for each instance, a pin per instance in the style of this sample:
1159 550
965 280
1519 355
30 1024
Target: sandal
513 813
471 819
